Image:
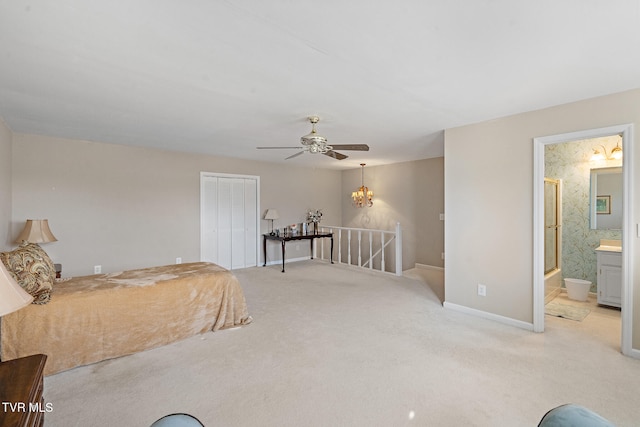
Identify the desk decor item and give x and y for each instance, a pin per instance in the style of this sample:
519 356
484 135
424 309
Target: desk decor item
314 217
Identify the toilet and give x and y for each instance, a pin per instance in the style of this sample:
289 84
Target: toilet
577 289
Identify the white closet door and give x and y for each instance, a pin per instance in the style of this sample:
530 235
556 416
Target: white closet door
229 220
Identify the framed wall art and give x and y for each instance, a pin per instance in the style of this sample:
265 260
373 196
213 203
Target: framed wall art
603 205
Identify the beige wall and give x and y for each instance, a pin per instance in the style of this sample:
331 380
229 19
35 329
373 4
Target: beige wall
489 202
5 186
411 193
125 207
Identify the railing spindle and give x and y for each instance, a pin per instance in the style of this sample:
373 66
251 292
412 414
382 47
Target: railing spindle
340 246
382 265
370 250
359 248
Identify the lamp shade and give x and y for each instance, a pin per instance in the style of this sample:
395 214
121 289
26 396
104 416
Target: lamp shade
271 214
12 296
36 231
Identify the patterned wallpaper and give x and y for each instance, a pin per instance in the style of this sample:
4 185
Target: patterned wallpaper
571 163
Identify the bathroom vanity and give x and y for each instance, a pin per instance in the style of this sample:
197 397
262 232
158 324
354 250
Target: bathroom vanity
609 258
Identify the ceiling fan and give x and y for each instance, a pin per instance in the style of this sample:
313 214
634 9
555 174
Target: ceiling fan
314 143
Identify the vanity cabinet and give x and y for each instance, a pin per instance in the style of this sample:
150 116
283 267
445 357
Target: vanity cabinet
609 278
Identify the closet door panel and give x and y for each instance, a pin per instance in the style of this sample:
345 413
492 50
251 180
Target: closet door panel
209 220
251 222
224 223
237 223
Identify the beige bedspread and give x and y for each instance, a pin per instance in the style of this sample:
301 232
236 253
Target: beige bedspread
93 318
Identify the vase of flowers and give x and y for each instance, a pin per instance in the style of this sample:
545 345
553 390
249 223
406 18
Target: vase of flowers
314 217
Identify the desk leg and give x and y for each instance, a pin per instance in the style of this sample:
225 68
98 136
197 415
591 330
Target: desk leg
332 250
283 243
311 247
264 250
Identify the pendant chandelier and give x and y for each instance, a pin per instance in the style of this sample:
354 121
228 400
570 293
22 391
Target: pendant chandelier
363 196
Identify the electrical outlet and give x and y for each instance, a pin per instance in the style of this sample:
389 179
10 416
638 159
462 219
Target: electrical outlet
178 260
442 255
97 269
441 217
482 290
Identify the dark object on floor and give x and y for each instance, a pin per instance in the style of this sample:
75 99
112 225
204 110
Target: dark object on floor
178 420
573 416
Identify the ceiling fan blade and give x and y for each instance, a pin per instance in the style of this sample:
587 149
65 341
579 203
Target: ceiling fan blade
354 147
276 148
335 155
294 155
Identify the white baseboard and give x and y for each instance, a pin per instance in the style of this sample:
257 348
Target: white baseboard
288 260
485 315
635 353
429 267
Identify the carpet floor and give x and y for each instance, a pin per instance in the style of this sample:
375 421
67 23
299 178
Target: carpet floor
334 346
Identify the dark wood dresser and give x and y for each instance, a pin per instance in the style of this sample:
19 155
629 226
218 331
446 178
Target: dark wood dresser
21 387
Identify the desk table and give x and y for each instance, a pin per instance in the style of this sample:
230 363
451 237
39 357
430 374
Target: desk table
289 237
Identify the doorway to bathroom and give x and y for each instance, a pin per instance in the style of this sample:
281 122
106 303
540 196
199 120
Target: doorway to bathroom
568 159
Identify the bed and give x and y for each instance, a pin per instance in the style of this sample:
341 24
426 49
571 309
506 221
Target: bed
92 318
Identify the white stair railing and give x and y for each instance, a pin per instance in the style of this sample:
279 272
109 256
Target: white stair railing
379 244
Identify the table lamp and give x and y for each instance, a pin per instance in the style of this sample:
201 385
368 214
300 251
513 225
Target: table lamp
271 215
12 296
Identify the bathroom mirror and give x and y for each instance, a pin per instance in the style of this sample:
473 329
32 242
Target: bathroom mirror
605 207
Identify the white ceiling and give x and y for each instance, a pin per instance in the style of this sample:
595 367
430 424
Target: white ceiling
223 77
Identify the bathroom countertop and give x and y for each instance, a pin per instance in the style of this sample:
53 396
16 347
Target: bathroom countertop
610 245
605 248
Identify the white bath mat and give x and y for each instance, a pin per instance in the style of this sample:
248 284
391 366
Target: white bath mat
566 311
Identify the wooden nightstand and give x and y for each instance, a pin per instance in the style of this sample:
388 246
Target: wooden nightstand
21 387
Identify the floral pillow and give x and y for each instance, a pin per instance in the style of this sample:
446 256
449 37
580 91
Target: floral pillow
32 268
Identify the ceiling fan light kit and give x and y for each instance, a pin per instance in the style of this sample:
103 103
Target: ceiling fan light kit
313 139
314 143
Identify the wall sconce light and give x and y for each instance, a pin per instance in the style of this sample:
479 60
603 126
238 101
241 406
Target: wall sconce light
362 196
271 215
616 154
